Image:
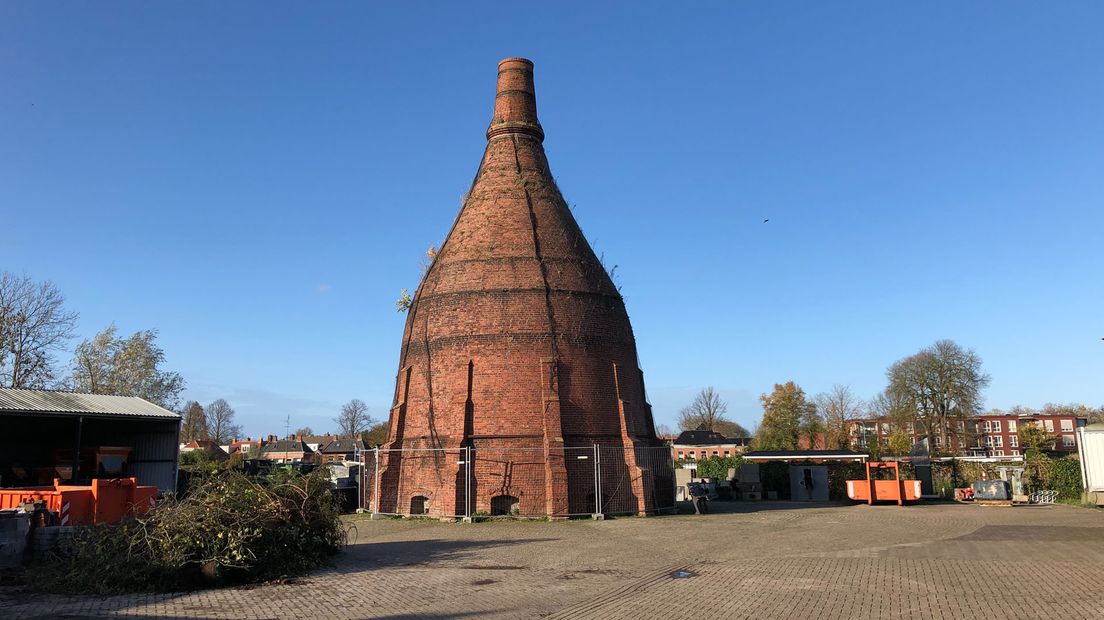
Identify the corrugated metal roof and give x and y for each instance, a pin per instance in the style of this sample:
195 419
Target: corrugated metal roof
46 401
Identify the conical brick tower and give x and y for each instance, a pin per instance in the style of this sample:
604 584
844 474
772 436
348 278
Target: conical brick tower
517 344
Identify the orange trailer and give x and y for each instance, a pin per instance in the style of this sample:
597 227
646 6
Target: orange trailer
104 501
893 490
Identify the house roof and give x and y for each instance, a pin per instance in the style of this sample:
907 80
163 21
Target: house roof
49 402
343 444
287 445
706 438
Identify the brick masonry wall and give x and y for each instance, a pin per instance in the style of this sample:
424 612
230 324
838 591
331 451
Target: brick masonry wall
516 338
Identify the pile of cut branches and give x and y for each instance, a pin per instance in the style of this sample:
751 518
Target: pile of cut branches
230 528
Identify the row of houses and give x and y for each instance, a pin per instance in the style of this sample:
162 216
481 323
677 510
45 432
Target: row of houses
320 449
981 436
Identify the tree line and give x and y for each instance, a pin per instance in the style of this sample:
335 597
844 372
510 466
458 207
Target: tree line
35 329
930 392
215 422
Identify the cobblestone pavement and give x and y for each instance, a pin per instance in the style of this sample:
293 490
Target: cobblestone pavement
763 560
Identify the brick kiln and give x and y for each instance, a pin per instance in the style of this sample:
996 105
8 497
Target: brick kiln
517 344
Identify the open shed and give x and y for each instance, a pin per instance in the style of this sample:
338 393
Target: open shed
77 437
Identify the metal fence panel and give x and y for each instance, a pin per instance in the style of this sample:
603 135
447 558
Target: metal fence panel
498 481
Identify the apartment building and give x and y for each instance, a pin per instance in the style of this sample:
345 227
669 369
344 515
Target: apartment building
983 435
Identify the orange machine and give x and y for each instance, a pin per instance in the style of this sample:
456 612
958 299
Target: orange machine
889 490
104 501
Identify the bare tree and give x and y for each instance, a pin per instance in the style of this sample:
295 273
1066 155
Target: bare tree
304 432
937 387
837 407
108 364
194 424
353 419
220 422
706 412
662 430
33 326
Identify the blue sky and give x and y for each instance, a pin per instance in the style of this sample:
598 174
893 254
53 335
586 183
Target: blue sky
259 180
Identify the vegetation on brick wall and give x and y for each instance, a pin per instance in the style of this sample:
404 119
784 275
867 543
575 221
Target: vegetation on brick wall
229 529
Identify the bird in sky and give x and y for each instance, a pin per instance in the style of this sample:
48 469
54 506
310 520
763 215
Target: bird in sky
766 220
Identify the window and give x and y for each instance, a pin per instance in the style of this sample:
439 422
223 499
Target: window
996 426
1014 441
988 442
702 454
1000 453
911 428
714 453
998 441
884 430
1048 425
727 454
1067 426
1011 426
1067 441
681 455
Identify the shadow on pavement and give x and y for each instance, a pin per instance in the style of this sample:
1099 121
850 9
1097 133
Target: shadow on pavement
379 555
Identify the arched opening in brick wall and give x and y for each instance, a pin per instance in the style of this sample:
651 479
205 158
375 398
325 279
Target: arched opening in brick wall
419 505
590 507
504 505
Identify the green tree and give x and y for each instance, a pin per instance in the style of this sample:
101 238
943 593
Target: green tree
940 385
377 434
1034 437
899 443
109 364
787 415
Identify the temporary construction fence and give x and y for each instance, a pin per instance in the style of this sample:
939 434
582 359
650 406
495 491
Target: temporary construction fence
518 482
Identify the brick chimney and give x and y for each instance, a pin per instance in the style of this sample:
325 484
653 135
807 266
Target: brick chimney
515 109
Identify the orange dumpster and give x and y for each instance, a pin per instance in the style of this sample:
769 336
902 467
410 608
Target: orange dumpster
892 490
104 501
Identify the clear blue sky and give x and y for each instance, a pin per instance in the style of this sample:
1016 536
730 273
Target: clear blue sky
259 180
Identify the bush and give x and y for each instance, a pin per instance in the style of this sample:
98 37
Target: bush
839 474
718 466
1065 477
229 529
775 476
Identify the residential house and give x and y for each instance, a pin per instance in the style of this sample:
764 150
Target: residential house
701 444
291 450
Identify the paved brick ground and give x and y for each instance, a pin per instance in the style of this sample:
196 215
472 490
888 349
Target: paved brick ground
763 560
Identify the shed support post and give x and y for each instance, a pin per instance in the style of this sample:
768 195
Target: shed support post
76 450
